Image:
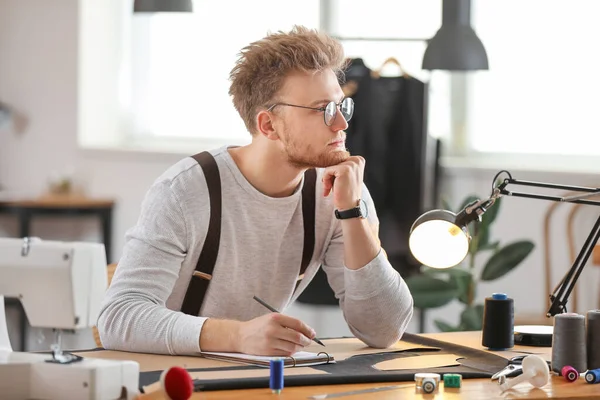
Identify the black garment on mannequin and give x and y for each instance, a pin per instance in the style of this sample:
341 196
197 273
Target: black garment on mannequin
388 129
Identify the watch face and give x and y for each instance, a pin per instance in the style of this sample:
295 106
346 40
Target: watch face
363 208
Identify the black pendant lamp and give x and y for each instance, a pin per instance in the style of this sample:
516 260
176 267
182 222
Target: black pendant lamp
149 6
455 46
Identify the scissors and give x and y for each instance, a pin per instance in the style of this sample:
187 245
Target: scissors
514 368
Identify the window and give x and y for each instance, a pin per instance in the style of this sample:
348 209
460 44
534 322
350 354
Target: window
179 86
181 63
541 92
407 19
537 97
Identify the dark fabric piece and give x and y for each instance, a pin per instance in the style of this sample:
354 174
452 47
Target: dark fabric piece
388 129
335 377
196 291
359 369
198 286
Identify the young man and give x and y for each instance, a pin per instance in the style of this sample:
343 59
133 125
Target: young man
285 87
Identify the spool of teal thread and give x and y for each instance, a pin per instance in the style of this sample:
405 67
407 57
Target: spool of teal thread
276 375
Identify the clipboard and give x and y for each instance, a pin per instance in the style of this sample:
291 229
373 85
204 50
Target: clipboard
301 358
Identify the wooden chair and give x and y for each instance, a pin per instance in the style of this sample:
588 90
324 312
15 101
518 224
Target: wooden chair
110 270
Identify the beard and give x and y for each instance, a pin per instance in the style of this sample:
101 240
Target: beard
308 157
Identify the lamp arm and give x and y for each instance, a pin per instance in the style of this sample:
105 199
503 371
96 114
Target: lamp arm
561 293
574 199
474 210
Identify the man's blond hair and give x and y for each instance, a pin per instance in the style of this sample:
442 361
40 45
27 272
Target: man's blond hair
263 65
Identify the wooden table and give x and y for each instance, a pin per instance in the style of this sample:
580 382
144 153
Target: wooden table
64 206
472 389
25 209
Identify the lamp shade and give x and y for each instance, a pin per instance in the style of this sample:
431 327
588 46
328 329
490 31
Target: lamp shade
455 46
142 6
437 241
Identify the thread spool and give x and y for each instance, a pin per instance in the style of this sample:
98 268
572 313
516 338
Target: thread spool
452 381
427 382
498 322
593 346
569 373
276 375
592 376
568 342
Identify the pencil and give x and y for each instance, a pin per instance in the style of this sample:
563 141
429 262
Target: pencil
274 310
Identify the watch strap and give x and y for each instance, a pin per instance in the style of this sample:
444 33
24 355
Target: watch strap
350 213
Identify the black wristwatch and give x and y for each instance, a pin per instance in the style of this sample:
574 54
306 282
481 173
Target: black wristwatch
359 211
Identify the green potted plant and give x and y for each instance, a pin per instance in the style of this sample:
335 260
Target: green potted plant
434 288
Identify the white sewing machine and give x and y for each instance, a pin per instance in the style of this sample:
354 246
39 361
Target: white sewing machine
60 285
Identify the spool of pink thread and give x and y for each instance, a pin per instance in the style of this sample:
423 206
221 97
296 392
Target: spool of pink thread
569 373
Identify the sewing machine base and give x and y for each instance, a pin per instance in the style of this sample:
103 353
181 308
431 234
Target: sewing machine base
25 376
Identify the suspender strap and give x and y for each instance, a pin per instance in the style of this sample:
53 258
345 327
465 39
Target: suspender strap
308 215
202 275
208 257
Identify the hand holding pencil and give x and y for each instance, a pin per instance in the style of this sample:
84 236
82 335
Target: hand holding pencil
273 334
275 311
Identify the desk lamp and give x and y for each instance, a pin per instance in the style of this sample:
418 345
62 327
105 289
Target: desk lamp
447 233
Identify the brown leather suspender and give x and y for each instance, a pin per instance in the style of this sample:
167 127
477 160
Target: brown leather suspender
201 277
206 262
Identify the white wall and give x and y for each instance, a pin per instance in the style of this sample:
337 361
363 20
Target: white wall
39 77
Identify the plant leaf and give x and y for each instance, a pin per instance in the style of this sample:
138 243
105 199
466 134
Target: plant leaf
483 228
446 272
490 246
456 272
445 327
471 319
433 271
483 235
460 277
476 236
506 259
463 283
429 292
490 215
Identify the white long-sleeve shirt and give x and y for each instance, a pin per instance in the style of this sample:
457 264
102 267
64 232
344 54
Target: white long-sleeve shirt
260 254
